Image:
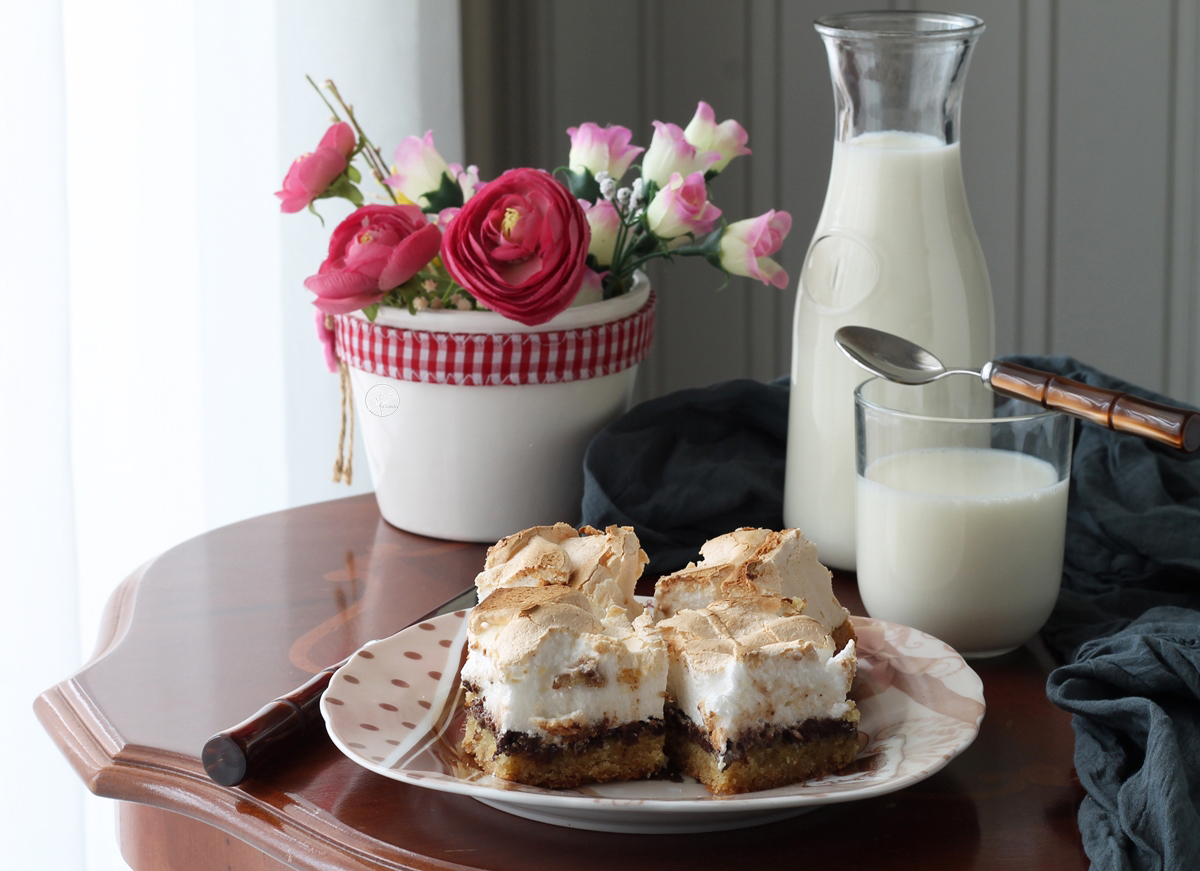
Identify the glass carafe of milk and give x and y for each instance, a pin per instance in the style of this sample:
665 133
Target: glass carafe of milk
894 248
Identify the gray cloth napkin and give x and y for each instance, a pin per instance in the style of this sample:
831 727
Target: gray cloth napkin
697 463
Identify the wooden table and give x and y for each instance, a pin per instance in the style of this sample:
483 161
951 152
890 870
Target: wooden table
203 635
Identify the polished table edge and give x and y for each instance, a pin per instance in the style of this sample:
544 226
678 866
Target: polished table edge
127 772
112 768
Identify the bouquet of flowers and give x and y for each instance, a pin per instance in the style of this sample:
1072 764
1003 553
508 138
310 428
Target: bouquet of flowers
528 243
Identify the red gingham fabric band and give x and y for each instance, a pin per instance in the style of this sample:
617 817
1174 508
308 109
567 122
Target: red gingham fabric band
483 359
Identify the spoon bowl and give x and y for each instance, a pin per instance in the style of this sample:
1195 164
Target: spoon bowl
891 357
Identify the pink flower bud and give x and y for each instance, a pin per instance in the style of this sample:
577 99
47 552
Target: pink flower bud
591 289
601 149
468 179
746 246
311 174
727 138
418 168
682 207
670 152
605 224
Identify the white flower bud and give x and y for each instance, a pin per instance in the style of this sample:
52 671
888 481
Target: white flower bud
608 188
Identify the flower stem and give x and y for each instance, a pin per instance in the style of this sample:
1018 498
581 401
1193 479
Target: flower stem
332 111
370 152
682 251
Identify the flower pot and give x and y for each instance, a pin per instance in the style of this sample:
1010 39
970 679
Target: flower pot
475 426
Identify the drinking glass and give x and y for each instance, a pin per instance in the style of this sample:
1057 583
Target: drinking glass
961 508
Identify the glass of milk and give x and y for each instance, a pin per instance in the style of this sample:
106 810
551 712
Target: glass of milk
961 508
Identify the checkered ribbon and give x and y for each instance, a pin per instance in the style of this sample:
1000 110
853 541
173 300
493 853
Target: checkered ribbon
481 359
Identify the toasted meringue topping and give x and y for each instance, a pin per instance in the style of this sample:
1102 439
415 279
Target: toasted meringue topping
604 565
754 562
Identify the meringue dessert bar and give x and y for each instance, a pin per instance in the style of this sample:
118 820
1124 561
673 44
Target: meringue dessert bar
742 681
757 695
558 696
757 562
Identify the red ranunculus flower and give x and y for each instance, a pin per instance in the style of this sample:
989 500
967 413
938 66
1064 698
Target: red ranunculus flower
519 246
374 250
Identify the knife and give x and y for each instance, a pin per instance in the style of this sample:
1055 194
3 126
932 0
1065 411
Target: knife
231 756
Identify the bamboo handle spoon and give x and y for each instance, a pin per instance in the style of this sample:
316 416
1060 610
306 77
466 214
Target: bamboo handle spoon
900 360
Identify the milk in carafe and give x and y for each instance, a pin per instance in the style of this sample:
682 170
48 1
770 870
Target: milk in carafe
894 248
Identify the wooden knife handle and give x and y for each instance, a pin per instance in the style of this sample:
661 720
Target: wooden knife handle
1123 412
229 756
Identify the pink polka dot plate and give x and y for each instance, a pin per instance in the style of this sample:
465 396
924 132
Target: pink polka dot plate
396 709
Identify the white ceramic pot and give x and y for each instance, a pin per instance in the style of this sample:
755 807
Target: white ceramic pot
484 456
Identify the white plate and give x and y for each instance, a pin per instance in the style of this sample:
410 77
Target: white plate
395 708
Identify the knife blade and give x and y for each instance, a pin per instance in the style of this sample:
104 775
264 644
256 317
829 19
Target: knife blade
231 756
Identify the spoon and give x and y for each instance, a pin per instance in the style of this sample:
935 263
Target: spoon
900 360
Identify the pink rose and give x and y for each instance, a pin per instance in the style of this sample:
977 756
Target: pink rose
520 246
746 246
601 149
670 152
727 138
311 174
375 249
682 207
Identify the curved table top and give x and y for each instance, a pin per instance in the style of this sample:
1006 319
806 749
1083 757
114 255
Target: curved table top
205 634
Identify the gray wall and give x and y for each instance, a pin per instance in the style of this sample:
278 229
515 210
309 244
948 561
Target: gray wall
1079 140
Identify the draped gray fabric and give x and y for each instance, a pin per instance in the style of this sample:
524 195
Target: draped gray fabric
697 463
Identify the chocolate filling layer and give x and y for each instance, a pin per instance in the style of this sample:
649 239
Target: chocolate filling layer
532 746
767 736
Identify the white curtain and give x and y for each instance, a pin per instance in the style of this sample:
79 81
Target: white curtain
160 375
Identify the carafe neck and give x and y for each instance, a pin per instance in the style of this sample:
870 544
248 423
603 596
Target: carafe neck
898 71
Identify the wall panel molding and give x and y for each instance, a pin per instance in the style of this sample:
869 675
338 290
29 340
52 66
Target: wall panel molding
1080 152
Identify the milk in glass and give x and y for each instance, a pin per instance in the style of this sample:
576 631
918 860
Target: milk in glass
966 543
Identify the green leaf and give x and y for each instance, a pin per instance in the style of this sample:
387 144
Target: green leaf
448 196
371 311
312 208
583 185
712 249
353 173
342 187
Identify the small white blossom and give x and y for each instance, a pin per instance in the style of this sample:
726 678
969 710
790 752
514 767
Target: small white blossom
420 303
608 188
637 194
463 304
436 302
430 285
623 196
